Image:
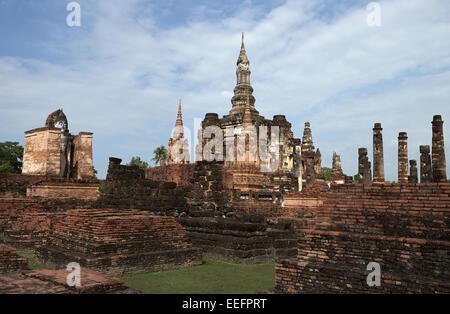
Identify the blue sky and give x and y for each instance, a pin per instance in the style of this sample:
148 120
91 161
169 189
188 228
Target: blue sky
121 73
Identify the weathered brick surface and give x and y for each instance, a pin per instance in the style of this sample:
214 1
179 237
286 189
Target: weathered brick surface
9 260
404 227
46 281
27 221
117 241
15 185
246 239
12 208
126 187
42 151
31 230
181 174
82 156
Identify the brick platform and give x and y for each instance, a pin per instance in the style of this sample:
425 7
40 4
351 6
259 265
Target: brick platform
47 281
9 260
403 227
118 241
248 240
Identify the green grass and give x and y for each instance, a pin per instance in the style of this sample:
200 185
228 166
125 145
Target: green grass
32 263
211 277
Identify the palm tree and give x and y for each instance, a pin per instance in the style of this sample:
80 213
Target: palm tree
160 155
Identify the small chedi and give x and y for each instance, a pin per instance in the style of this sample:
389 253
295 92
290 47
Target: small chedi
178 143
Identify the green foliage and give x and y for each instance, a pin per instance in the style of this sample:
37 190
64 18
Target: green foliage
160 155
211 277
136 161
11 156
356 178
101 187
95 172
33 264
326 172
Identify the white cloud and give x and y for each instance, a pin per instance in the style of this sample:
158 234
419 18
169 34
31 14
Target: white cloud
124 75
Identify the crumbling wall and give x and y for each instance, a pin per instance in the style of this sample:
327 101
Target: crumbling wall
118 241
403 227
181 174
15 185
127 187
243 239
10 261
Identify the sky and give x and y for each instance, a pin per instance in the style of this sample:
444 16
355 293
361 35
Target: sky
121 73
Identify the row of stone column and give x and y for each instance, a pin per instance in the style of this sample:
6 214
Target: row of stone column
432 169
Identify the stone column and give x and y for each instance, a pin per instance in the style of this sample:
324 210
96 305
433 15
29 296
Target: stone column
412 171
364 166
378 159
402 157
438 152
426 174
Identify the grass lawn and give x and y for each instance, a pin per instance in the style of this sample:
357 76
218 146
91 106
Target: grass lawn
211 277
32 263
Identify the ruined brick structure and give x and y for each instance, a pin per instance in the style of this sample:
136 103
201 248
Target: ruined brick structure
49 281
413 176
127 187
364 166
53 151
403 227
10 261
294 166
438 151
426 174
340 230
337 176
311 159
178 147
402 157
378 158
117 241
181 174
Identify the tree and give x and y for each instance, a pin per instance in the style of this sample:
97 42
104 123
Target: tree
326 172
11 157
160 155
136 161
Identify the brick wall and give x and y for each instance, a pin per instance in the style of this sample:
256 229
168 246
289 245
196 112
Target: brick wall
118 241
403 227
54 281
10 261
88 191
242 238
181 174
126 187
82 155
12 208
42 151
15 185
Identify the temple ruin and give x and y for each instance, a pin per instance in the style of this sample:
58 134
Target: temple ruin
240 201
